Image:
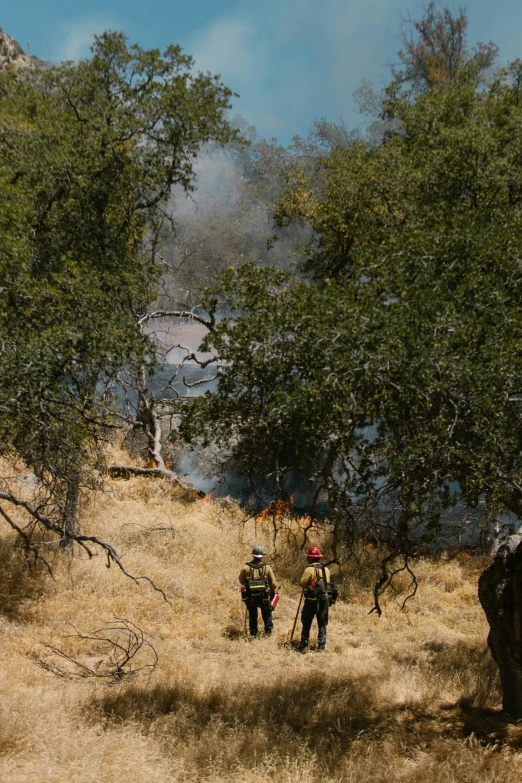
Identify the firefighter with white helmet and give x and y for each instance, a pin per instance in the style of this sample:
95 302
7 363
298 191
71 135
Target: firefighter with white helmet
258 589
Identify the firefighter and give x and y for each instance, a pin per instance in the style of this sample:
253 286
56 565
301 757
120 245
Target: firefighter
316 584
258 589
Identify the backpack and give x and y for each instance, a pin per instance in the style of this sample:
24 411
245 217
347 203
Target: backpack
325 593
257 587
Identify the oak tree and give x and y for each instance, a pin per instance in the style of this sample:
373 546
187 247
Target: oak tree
89 154
387 371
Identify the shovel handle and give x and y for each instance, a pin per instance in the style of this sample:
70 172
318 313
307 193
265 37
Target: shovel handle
296 615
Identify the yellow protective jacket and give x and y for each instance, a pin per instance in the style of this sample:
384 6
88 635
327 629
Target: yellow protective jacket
311 572
269 575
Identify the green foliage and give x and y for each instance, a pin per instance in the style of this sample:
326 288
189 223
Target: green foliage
89 153
390 373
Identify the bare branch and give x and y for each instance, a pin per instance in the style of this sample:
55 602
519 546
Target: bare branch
192 357
118 644
28 545
48 524
41 518
201 381
208 322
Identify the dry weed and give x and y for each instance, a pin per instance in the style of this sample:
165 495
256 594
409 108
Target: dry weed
410 697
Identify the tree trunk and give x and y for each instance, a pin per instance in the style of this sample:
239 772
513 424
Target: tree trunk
71 507
491 530
149 421
500 593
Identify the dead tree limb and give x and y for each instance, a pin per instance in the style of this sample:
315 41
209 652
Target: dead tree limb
81 540
118 647
29 547
126 471
209 322
386 580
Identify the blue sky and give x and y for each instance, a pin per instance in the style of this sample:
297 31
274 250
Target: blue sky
291 60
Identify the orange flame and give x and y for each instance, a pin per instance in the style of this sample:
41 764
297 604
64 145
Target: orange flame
276 508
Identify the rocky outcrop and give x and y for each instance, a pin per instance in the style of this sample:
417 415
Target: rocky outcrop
500 593
12 56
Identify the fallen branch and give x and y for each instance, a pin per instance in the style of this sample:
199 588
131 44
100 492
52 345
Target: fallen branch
126 471
119 645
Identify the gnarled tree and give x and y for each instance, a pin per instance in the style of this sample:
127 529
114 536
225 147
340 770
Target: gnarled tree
389 374
89 153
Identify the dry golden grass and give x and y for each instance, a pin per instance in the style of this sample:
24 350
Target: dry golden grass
410 697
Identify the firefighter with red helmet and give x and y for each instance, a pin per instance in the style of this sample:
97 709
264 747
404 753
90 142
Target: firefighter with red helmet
316 585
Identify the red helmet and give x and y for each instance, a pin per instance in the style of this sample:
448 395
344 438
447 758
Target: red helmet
314 552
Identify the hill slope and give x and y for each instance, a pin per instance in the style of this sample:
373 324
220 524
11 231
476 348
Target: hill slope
410 697
12 56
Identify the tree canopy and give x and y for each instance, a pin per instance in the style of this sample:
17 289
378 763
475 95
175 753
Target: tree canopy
89 152
389 372
435 49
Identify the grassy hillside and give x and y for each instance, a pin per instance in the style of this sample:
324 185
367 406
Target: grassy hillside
412 696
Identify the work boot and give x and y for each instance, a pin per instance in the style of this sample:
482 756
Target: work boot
321 648
302 647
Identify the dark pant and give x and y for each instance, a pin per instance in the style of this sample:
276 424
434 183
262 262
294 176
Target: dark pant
313 609
266 613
